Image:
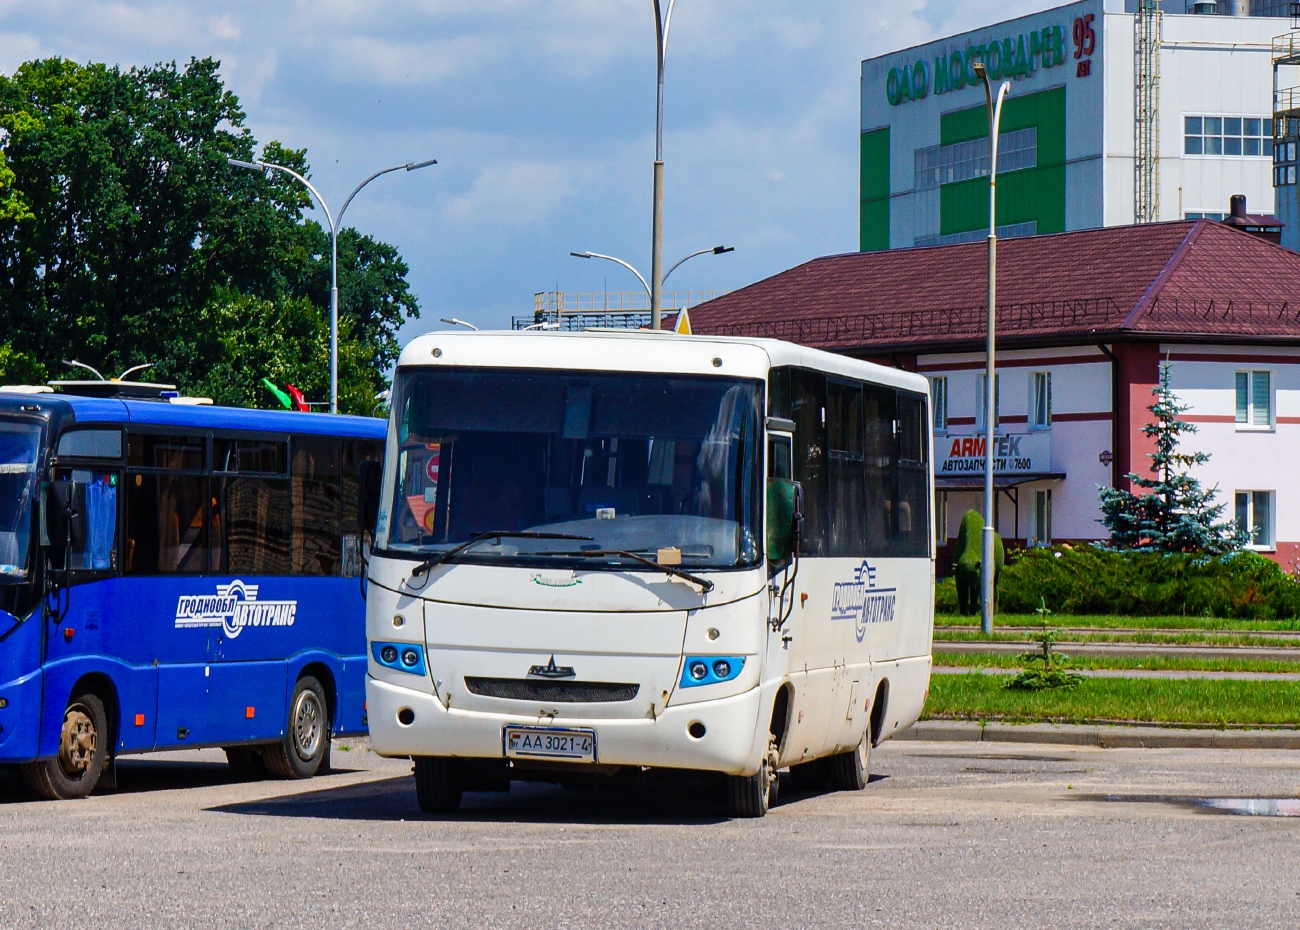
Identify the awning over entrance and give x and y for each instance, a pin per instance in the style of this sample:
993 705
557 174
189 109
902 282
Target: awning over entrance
1000 482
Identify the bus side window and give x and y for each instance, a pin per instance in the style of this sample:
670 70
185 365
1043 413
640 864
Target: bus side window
166 525
808 410
881 454
251 508
846 500
355 451
316 547
780 461
100 553
913 475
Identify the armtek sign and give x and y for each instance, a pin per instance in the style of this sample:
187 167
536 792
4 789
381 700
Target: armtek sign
1013 56
1013 454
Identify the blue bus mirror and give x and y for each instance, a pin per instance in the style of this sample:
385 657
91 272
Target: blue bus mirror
65 516
369 481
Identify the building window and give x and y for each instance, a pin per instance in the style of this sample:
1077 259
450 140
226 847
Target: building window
979 401
1236 136
1203 215
939 402
1255 516
937 165
1040 518
1284 164
1254 399
1040 400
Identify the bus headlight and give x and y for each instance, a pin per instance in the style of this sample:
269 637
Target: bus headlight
710 670
401 657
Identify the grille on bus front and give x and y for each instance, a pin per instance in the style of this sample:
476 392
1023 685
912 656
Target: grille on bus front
565 692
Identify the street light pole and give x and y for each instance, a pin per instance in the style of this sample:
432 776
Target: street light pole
335 222
663 21
716 250
988 570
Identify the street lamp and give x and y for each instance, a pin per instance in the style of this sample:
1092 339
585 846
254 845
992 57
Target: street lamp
655 320
334 223
663 21
988 570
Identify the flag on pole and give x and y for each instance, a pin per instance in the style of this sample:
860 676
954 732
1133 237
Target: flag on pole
683 323
299 401
282 397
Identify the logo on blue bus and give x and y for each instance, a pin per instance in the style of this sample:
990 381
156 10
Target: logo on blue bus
862 602
233 608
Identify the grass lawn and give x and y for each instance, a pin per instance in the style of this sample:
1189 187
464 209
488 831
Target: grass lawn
1004 621
1150 663
1110 700
1188 638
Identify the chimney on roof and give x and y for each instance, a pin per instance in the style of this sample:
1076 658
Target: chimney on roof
1266 227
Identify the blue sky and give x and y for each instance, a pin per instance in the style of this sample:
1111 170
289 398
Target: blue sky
541 115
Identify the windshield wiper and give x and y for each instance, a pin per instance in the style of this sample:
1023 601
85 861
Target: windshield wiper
476 538
705 585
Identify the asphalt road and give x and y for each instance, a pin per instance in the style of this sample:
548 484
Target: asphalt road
962 835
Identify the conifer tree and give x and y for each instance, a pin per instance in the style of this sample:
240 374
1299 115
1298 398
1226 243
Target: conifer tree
1171 512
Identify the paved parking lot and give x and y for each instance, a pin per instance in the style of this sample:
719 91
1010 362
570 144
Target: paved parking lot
947 835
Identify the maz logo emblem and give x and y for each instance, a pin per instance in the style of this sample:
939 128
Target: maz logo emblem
551 670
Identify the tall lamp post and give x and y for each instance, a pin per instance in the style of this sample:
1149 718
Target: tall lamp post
656 319
988 570
335 223
663 21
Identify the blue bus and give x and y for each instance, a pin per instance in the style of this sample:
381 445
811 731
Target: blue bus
174 575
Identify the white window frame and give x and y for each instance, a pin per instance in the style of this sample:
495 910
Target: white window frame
1035 420
979 401
1265 137
1270 530
1039 535
1250 425
939 402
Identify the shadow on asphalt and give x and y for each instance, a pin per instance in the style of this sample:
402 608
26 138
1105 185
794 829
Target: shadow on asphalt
140 775
394 799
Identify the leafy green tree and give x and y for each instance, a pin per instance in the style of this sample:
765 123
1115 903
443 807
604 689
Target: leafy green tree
1175 513
125 237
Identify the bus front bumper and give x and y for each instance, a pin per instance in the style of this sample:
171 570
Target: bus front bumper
730 743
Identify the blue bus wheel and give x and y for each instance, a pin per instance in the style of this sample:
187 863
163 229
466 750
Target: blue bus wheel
301 751
83 753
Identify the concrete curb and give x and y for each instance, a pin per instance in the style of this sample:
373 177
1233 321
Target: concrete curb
1104 737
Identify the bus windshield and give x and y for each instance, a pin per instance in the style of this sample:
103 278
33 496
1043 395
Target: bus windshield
19 445
634 462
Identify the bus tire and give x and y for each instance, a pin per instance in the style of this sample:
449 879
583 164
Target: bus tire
246 762
850 771
83 753
437 785
754 795
300 751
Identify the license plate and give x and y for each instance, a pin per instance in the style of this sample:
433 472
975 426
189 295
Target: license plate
550 743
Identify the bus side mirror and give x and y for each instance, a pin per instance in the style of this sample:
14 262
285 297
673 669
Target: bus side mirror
65 516
784 514
369 481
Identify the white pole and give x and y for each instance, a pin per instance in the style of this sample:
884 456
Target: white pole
988 570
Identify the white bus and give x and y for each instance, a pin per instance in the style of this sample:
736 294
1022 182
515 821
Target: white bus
615 551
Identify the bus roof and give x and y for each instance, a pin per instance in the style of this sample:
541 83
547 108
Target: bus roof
86 410
640 351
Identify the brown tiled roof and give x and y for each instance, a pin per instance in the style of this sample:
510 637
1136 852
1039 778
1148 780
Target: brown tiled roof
1176 279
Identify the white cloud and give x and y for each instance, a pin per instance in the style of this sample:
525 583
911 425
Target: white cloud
519 192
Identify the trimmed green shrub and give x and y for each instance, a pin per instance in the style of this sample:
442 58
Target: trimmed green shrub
1089 580
945 596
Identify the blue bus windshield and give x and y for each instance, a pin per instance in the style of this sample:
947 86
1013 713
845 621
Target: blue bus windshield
19 445
632 462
